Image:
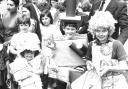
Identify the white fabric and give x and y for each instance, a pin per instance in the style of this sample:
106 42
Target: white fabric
126 47
47 31
3 7
89 80
22 41
31 80
104 60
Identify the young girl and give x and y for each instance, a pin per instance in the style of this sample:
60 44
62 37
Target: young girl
23 38
106 57
27 69
47 27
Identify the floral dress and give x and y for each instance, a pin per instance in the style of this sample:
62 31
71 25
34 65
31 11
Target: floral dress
103 55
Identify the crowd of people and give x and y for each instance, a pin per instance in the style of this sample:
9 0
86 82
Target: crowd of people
37 51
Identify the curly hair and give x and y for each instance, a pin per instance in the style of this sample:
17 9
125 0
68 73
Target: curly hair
102 19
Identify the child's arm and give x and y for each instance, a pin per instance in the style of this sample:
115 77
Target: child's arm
120 64
8 70
120 67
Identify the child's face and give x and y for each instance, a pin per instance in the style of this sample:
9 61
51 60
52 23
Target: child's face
102 34
29 56
24 27
70 31
45 20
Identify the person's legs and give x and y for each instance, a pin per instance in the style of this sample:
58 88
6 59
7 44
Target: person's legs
61 85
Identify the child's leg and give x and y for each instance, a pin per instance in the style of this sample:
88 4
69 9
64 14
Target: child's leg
3 78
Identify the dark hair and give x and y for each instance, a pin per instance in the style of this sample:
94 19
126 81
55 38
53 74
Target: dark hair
16 2
1 39
24 21
36 52
55 0
44 7
32 15
70 24
48 15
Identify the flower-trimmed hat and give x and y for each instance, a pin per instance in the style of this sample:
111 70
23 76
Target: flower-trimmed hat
30 49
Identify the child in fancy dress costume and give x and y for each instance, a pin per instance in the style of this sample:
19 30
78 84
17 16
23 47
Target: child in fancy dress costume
106 57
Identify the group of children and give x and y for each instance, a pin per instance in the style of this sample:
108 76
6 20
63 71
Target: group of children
105 57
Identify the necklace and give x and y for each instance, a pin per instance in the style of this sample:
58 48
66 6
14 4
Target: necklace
105 49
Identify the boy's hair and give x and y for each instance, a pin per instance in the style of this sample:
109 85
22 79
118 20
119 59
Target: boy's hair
70 24
36 52
24 21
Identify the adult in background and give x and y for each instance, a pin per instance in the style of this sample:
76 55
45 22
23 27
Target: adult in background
9 20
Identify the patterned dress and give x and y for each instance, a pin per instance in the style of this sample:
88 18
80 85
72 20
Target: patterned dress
108 54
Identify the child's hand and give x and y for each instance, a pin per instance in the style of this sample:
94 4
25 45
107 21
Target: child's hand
89 65
104 70
8 76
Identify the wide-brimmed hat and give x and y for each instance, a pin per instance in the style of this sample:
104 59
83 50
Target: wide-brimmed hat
30 47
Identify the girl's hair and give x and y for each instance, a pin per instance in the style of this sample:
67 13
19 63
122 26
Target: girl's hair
24 21
48 14
16 2
102 19
36 52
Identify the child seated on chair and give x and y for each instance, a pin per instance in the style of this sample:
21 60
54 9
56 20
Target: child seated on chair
23 38
27 69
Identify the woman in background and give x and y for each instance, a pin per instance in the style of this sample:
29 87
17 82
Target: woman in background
9 20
